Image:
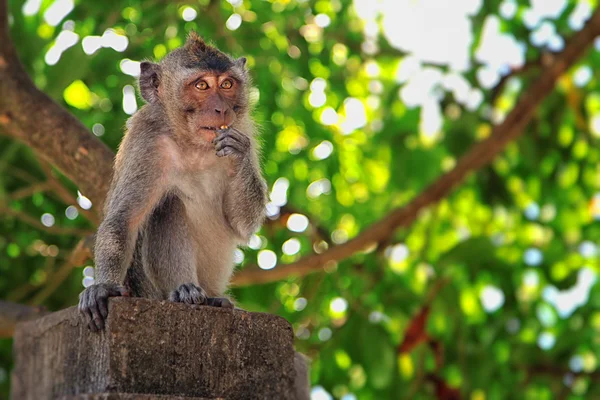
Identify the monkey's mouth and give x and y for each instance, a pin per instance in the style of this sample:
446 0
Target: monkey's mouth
214 128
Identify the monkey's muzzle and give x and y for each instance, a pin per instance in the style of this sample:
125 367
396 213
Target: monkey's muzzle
210 128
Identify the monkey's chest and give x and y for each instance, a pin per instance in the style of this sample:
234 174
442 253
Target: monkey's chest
207 226
202 195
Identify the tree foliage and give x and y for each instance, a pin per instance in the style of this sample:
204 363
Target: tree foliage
489 294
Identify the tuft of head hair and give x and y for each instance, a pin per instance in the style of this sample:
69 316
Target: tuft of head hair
195 44
204 56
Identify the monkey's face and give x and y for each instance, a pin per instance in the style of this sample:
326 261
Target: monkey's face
211 100
201 88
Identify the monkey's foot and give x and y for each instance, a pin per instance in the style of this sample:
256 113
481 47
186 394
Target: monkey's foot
219 302
188 293
93 303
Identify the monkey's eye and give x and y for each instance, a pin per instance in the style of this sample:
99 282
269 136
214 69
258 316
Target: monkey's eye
227 84
201 85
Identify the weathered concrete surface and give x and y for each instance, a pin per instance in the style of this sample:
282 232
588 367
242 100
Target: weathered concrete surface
117 396
151 347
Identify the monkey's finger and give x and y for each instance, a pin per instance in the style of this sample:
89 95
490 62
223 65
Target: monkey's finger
193 295
225 152
184 294
92 325
221 133
235 130
82 302
189 298
89 319
98 321
225 303
174 296
230 143
224 131
219 302
233 142
103 307
221 138
235 135
117 291
196 295
241 137
211 301
84 309
184 291
96 316
83 312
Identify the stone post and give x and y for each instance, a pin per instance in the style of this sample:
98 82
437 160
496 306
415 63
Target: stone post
155 350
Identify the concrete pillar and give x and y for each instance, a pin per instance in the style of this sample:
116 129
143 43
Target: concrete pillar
155 350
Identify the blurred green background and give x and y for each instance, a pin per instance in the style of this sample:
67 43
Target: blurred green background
361 105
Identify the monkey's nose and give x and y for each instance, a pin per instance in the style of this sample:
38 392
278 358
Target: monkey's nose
221 110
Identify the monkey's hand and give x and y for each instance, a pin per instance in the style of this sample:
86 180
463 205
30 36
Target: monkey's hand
231 142
93 303
189 293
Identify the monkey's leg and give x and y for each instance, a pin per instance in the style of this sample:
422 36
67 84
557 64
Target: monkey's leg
136 281
169 258
168 253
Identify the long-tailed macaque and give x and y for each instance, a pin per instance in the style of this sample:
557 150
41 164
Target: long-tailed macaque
187 188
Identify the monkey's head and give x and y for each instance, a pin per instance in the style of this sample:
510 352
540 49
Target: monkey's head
200 88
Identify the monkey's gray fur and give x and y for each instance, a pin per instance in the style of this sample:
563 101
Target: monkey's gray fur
179 204
181 199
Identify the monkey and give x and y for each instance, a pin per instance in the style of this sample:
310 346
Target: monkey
187 189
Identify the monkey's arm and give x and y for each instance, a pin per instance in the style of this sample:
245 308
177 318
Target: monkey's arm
135 193
137 187
245 200
246 197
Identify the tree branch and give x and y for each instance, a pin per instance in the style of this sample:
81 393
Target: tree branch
32 117
78 256
65 196
556 371
28 191
34 222
479 155
544 60
62 140
11 314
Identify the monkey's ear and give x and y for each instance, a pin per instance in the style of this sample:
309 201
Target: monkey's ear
241 62
195 43
149 81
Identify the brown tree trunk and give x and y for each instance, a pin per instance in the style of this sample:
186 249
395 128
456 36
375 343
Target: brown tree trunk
32 117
